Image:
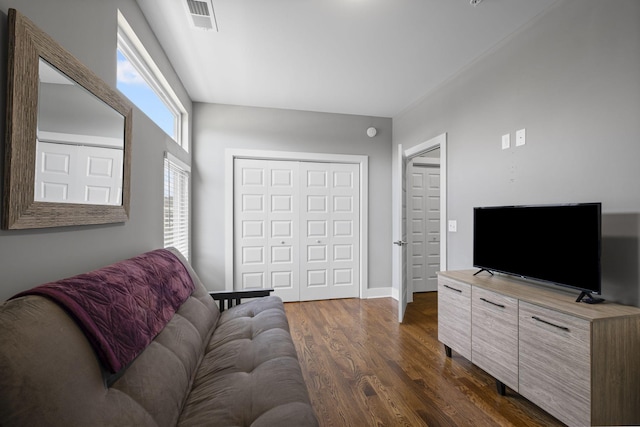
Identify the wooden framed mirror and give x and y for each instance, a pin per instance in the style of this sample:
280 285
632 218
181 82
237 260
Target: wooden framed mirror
68 137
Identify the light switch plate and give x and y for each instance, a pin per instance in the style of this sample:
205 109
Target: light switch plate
520 137
506 141
453 225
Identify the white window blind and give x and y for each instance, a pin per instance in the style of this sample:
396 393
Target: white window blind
176 204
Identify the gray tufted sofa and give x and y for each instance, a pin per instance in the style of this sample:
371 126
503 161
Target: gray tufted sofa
205 368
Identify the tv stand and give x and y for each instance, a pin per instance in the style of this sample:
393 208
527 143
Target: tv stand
590 299
578 362
481 270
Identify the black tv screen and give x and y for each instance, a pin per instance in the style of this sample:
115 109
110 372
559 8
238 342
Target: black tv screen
559 244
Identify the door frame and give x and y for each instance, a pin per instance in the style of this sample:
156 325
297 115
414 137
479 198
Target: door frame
363 161
409 153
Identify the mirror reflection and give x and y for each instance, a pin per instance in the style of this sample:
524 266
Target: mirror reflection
79 144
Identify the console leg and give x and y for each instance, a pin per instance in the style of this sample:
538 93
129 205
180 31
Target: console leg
502 390
447 350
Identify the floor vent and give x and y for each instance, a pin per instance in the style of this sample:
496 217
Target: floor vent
202 14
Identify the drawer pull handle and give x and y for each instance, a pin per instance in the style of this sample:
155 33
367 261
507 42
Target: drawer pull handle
453 289
492 303
564 328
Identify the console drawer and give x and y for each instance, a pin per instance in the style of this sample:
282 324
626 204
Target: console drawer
494 341
454 315
555 363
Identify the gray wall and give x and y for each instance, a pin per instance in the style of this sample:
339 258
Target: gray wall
572 79
88 30
84 114
217 127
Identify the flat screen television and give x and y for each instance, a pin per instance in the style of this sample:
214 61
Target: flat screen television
557 244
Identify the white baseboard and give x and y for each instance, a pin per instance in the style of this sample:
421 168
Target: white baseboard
382 293
379 292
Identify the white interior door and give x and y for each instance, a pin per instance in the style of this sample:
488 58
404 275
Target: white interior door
297 228
417 229
433 229
401 242
330 220
424 226
266 223
283 229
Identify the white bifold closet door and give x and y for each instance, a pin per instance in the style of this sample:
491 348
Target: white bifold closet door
266 226
330 232
296 228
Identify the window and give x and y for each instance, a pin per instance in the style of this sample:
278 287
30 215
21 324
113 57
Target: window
140 80
176 204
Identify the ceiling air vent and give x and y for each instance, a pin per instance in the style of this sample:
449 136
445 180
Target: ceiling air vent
202 15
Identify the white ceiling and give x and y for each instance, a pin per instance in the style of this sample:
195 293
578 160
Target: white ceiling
366 57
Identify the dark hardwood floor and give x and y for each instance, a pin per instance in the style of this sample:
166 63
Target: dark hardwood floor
363 368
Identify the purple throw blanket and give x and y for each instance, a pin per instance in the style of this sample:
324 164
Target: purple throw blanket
122 307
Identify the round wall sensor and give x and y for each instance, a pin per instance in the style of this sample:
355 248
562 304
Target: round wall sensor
371 132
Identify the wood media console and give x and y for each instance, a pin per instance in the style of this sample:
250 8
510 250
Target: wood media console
579 362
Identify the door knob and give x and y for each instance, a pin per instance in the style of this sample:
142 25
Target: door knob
400 243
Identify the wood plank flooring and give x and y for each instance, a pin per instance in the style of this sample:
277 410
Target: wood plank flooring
363 368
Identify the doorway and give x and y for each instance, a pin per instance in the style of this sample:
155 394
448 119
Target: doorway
400 262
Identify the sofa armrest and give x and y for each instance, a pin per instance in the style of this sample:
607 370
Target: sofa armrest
232 297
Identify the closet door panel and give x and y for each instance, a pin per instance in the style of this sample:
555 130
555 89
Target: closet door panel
283 222
266 226
330 213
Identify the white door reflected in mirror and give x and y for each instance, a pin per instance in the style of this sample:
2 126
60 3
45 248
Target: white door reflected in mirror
80 144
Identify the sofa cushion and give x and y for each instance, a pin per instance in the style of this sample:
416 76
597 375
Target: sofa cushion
250 375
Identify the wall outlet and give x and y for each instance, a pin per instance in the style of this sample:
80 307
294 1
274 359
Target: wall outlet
520 137
453 225
506 141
